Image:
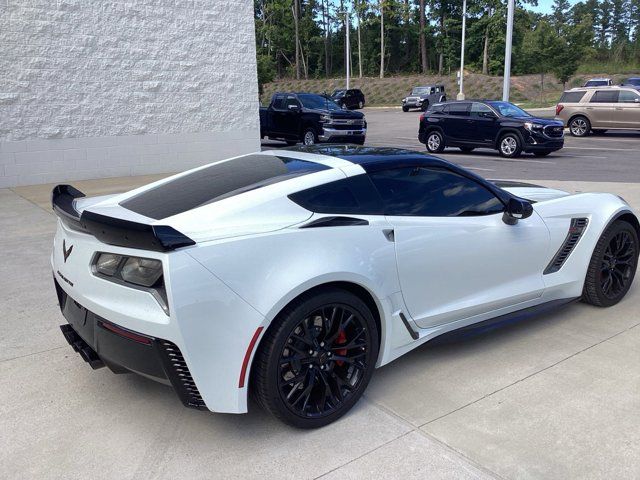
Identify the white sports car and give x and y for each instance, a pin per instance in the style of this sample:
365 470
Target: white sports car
292 274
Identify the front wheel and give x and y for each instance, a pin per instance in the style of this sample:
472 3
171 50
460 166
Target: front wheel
612 266
510 145
316 359
435 142
405 109
580 126
309 137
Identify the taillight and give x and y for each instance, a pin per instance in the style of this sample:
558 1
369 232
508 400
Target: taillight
423 116
559 108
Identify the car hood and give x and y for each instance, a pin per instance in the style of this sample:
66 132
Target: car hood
541 121
345 114
529 191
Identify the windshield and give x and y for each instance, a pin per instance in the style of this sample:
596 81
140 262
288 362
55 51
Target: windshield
338 93
318 102
507 109
597 83
420 91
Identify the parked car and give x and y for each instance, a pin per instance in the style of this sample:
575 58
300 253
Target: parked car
632 82
598 82
587 110
351 98
422 97
489 124
291 275
310 118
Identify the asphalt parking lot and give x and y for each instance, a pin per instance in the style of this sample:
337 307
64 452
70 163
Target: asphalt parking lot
554 397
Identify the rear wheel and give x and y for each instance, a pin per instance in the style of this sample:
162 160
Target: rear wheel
579 126
612 266
317 358
435 142
510 145
405 109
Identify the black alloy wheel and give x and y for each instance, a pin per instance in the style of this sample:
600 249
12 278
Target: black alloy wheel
613 265
317 359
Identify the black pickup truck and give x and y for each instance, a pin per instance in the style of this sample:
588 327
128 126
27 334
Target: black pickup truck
310 118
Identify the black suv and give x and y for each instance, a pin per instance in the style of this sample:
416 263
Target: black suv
351 98
489 124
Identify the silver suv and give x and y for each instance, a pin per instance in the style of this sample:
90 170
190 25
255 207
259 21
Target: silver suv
596 109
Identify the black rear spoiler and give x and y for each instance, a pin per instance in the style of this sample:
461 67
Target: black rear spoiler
115 231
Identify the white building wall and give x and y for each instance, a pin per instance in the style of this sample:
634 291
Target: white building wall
92 89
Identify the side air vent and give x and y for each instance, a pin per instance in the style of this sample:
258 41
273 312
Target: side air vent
179 375
576 229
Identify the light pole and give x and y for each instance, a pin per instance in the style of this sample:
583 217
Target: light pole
464 24
507 52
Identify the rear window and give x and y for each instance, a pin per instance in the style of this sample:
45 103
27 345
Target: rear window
218 181
571 97
605 96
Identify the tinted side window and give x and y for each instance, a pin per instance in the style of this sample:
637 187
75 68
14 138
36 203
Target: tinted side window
433 192
627 96
278 102
353 195
291 100
459 109
478 109
605 96
572 97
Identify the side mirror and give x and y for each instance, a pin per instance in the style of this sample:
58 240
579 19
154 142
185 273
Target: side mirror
487 115
516 209
294 108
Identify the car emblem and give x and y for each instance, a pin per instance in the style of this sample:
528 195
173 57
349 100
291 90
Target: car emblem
66 252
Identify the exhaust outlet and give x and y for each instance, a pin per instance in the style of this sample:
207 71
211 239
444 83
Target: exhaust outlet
87 353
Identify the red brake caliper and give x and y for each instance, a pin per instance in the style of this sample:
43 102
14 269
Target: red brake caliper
341 340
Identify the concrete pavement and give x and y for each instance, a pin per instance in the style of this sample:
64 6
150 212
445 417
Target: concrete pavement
554 397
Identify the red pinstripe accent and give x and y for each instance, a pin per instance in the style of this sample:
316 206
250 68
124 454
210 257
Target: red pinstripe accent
247 356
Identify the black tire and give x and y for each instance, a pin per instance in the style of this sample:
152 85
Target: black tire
510 145
435 141
309 136
579 126
611 272
405 109
466 149
303 324
542 154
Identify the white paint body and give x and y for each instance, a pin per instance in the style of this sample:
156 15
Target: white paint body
251 259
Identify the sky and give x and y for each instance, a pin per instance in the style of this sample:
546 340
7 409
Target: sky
545 6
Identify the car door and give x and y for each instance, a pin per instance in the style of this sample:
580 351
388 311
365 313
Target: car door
291 117
278 115
456 258
627 111
601 107
459 126
485 124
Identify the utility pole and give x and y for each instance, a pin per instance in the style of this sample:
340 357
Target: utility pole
464 25
347 49
507 52
381 38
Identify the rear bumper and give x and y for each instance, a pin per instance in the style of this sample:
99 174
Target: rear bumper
102 343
